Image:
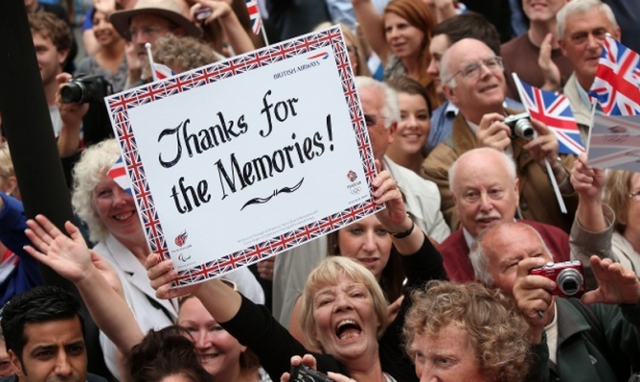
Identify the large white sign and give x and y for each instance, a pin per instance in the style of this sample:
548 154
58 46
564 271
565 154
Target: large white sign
243 159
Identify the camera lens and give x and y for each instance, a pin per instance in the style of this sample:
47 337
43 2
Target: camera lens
570 281
72 93
523 128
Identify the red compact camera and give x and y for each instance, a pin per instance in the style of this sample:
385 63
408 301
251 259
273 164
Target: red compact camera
568 276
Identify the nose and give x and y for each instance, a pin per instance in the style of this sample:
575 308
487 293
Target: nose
202 340
342 302
369 244
485 202
139 37
593 42
63 367
434 67
120 197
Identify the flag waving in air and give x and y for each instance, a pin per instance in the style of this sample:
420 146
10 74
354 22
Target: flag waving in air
617 81
254 15
553 110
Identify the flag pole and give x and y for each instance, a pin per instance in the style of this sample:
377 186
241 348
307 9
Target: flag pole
147 46
264 33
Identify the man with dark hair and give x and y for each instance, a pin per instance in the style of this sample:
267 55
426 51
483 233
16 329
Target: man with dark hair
44 335
445 34
51 41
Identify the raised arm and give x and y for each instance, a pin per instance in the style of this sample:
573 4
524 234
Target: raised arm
239 40
372 26
70 257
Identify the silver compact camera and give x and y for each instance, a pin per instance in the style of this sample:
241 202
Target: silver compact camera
520 125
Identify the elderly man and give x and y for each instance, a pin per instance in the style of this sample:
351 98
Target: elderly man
594 339
45 338
472 78
582 26
539 45
485 190
148 21
380 107
445 34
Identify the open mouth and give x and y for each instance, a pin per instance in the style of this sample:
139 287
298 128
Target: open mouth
208 357
123 216
348 330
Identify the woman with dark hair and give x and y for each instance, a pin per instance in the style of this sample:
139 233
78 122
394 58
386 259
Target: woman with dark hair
410 138
400 38
166 355
109 60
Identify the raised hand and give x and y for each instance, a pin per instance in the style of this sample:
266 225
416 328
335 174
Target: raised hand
68 256
616 285
550 71
533 297
161 275
206 11
386 192
492 132
587 181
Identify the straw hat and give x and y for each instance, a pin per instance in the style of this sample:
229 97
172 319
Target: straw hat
169 9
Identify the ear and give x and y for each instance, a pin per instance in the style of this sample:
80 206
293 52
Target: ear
10 186
562 44
15 363
62 56
450 93
617 34
392 130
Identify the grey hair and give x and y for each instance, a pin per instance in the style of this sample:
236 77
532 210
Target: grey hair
507 160
445 72
581 6
478 252
96 160
391 110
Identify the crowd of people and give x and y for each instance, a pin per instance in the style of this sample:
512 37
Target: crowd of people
471 272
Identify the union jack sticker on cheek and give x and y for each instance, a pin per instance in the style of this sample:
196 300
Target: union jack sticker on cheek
241 160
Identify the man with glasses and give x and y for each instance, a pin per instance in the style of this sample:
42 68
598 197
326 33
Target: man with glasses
147 22
473 79
582 26
485 191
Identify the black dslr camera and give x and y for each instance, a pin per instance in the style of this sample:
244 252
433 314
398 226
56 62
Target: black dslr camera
86 90
520 125
302 373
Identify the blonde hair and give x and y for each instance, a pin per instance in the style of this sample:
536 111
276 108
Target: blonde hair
616 194
6 168
327 273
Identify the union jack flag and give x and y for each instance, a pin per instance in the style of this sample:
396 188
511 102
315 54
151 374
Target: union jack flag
162 71
617 80
254 15
552 109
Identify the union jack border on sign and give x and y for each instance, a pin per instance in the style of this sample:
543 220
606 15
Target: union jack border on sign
120 105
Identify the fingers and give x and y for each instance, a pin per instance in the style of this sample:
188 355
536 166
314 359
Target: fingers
42 232
385 188
493 133
339 377
309 361
265 268
161 274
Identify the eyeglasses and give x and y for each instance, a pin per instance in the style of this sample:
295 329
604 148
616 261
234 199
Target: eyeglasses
146 32
371 120
635 195
474 69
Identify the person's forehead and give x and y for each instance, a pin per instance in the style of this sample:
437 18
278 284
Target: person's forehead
467 51
439 44
505 242
590 19
372 100
481 169
45 333
41 38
